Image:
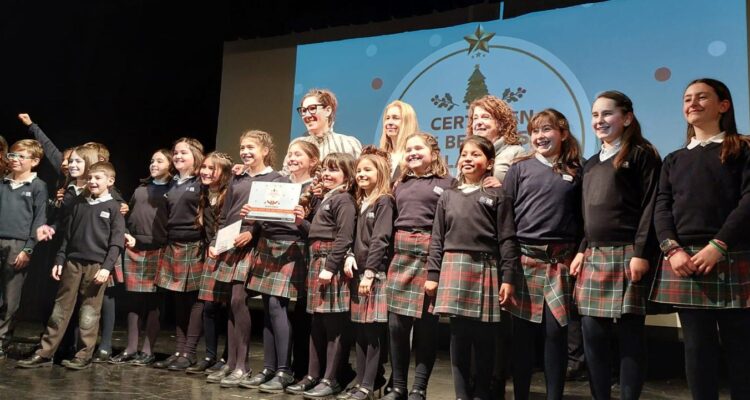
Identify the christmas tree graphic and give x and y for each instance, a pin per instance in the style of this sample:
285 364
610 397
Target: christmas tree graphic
476 87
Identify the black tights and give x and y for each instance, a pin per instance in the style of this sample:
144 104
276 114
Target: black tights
144 314
277 334
238 327
189 321
525 334
597 335
214 318
468 334
326 340
425 343
108 319
369 345
703 342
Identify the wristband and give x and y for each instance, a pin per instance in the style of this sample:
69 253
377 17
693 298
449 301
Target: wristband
671 252
722 250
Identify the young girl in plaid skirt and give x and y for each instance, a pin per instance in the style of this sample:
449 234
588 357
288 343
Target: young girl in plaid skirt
424 178
144 243
613 268
367 268
473 257
233 267
181 265
701 213
545 188
331 236
279 275
214 174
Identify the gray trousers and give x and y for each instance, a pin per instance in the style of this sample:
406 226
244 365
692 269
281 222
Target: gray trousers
11 285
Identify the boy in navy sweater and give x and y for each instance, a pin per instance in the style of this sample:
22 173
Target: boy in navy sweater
94 236
23 200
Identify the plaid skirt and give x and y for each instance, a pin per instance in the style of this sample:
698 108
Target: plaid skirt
140 269
234 265
211 289
726 286
404 287
373 307
546 278
181 267
469 286
279 268
604 288
333 297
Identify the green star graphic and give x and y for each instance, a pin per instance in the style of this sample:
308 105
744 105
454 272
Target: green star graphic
480 40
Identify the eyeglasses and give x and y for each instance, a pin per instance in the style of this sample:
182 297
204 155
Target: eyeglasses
312 109
17 156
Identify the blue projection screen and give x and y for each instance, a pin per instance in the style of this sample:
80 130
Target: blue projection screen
560 58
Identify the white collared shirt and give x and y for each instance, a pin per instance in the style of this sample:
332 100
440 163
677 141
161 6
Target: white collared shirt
265 171
550 162
78 189
333 191
695 142
159 182
469 187
611 150
14 184
100 199
180 180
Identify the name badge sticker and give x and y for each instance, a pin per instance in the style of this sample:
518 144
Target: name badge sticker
371 215
486 201
104 214
191 189
26 194
626 164
327 207
567 178
438 190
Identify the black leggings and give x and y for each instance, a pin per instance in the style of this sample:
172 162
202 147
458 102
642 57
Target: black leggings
107 319
468 334
238 327
425 343
525 334
301 337
214 318
144 314
326 344
369 345
597 336
189 321
703 342
277 334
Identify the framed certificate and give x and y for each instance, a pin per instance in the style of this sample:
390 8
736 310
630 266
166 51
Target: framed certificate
273 201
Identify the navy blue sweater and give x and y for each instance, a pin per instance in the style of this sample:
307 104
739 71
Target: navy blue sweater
22 210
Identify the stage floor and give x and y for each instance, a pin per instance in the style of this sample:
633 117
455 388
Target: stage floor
113 382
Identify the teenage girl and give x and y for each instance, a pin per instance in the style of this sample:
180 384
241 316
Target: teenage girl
545 189
473 257
373 249
215 174
181 266
331 235
424 178
399 121
145 240
619 187
702 208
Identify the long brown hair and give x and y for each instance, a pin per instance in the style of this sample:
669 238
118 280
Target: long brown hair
569 161
222 162
168 155
507 126
345 163
631 135
732 144
487 148
265 140
381 160
438 167
196 148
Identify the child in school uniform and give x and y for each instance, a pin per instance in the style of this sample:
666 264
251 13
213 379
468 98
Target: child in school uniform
94 236
367 267
23 203
702 209
331 235
233 267
473 257
613 262
181 266
145 240
424 178
545 189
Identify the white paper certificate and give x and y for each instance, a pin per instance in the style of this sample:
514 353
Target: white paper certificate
225 237
273 201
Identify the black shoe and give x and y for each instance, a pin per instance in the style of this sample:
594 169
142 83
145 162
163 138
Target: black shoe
395 394
216 367
278 383
325 388
417 394
200 366
234 379
35 361
347 395
257 380
307 383
123 358
77 364
101 356
166 362
182 363
362 394
576 374
142 360
217 376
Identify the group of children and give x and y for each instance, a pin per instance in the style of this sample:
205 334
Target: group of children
385 241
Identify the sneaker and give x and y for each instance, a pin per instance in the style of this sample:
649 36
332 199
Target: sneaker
307 383
217 376
35 361
201 366
233 379
77 364
278 383
101 356
123 357
142 360
257 380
